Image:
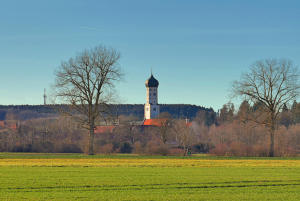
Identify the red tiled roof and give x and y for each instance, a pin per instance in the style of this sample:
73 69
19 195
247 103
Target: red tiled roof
159 122
104 129
189 124
9 125
154 122
12 126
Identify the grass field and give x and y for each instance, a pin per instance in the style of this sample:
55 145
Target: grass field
131 177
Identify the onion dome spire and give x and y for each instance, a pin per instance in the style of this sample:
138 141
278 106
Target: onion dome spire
151 82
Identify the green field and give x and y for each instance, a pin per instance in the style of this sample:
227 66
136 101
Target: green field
131 177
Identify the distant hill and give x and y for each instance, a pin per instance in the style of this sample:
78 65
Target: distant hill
2 115
25 112
176 110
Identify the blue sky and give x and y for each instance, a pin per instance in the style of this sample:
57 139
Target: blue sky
195 48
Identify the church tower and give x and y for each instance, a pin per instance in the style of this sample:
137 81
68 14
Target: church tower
151 106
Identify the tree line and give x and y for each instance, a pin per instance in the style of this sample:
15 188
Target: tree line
263 125
233 134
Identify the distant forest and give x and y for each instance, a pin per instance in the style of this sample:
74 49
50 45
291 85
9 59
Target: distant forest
25 112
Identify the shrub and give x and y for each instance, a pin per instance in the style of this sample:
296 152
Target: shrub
260 150
126 148
162 150
176 152
156 148
220 150
138 148
201 148
105 149
238 149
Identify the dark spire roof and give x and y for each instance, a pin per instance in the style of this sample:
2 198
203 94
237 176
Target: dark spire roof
152 82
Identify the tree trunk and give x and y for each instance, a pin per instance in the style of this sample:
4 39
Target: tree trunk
185 150
271 153
272 132
91 140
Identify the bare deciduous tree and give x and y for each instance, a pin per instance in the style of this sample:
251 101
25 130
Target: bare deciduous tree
86 84
128 131
271 83
184 135
166 124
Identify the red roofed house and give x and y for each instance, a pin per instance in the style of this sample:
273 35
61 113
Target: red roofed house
2 124
9 124
104 129
12 126
154 122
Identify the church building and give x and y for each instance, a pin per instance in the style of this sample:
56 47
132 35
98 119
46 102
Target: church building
151 110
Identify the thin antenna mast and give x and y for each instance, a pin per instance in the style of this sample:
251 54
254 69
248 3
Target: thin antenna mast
45 97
